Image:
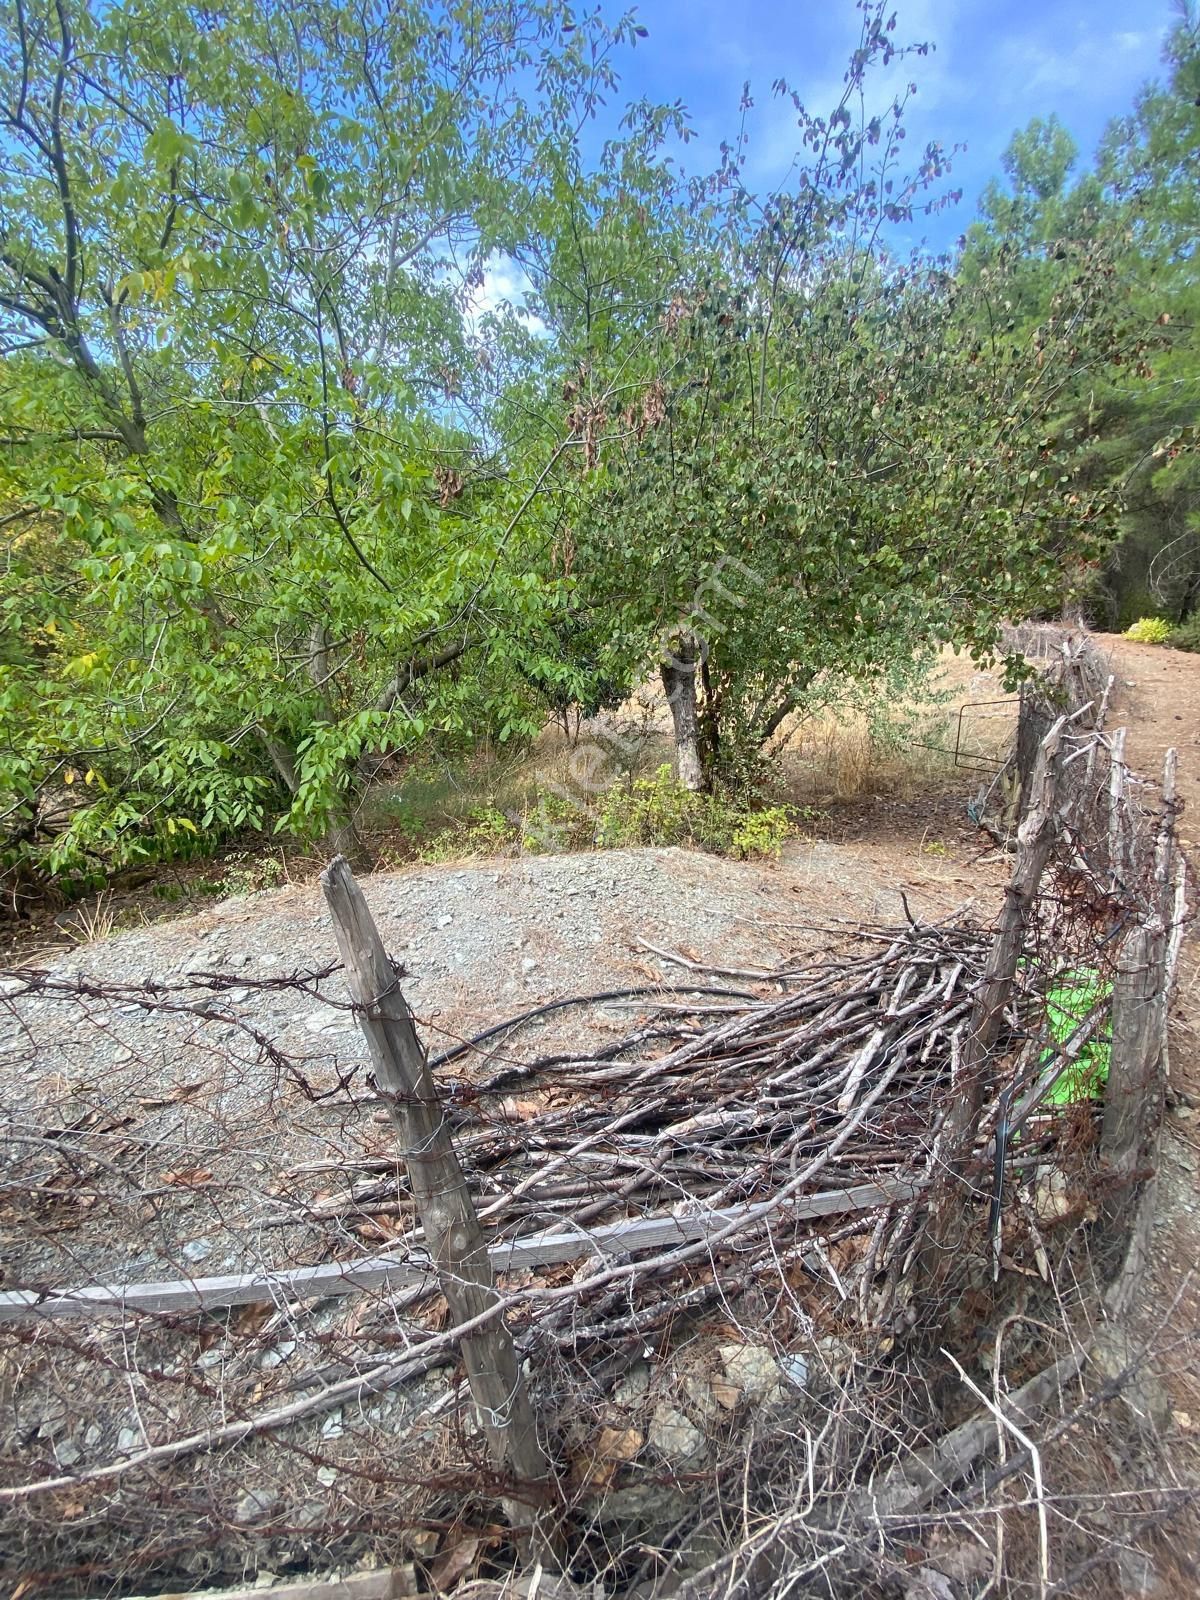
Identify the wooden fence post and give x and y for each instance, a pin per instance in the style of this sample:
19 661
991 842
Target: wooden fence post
1035 841
1135 1095
950 1206
452 1232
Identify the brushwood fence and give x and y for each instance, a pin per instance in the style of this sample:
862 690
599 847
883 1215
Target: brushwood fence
499 1306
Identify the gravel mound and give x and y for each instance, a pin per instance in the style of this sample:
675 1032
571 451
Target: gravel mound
226 1158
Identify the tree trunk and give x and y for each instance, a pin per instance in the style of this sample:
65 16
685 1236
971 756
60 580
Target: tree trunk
679 681
281 759
710 718
344 839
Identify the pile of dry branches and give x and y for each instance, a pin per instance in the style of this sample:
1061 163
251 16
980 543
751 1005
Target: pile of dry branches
790 1133
833 1080
741 1184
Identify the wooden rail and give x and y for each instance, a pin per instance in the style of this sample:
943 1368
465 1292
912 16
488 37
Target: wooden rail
389 1272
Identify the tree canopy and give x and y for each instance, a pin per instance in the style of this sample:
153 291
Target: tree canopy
1140 414
280 497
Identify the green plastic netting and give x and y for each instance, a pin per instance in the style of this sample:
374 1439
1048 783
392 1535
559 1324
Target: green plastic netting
1075 995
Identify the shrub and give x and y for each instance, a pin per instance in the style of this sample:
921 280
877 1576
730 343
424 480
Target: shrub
484 831
660 811
645 811
1149 630
554 821
246 873
1187 635
763 833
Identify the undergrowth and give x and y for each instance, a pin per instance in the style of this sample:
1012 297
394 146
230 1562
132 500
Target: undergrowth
658 810
1149 630
649 810
1157 630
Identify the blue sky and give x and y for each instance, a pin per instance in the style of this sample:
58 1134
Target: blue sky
996 64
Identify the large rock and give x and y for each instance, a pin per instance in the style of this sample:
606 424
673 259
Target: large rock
257 1505
647 1509
676 1437
753 1371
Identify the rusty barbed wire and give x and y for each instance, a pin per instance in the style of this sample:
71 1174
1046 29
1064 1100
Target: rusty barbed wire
692 1396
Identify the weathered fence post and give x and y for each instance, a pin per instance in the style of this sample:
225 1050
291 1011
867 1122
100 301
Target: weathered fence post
1035 842
1135 1095
452 1233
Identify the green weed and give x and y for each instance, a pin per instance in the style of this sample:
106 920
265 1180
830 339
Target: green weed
1149 630
660 811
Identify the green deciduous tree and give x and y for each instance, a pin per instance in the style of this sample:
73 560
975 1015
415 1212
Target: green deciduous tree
803 461
1149 163
1139 415
248 541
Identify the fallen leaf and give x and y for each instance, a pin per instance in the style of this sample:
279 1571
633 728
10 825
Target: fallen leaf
436 1314
512 1282
520 1110
618 1444
379 1229
252 1319
589 1473
176 1095
596 1468
187 1177
454 1564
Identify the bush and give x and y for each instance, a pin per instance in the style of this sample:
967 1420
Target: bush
1187 635
763 833
554 821
660 811
484 831
1149 630
246 873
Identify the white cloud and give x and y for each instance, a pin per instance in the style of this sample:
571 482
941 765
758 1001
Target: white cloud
1095 63
504 284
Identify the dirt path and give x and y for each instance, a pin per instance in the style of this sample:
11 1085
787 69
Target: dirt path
1159 700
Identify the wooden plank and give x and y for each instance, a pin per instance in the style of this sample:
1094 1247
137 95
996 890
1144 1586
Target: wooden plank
393 1583
377 1273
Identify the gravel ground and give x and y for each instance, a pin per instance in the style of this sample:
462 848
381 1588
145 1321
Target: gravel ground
204 1140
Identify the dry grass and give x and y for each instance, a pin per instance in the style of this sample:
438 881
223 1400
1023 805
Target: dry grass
909 749
841 754
99 918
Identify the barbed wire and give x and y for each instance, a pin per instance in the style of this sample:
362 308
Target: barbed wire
746 1389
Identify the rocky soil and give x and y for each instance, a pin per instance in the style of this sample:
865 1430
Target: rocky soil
218 1132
